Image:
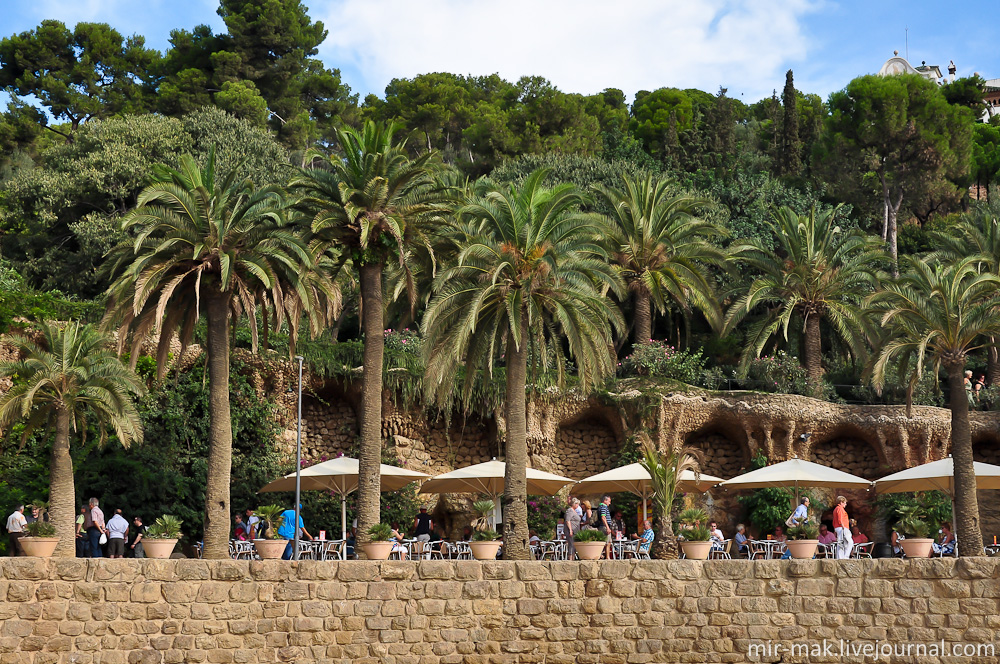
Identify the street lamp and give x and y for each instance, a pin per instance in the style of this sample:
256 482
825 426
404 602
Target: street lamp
298 468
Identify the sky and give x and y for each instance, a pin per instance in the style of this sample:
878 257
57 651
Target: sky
586 46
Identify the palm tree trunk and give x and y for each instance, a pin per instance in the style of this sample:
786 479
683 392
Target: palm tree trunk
992 363
62 491
643 319
370 454
220 426
970 537
814 354
515 490
665 547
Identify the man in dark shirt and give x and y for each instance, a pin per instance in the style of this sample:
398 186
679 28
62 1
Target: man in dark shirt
423 525
135 534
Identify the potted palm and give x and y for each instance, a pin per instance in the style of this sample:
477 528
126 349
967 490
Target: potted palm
161 537
269 546
697 540
485 542
802 540
380 545
589 544
914 529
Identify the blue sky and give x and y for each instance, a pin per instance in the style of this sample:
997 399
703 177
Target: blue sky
588 45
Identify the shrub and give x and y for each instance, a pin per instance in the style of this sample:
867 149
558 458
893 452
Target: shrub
911 522
380 532
483 510
40 529
488 535
783 374
590 535
805 531
271 516
660 360
165 527
697 534
543 514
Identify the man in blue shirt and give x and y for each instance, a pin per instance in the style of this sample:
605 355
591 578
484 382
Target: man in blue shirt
646 539
287 531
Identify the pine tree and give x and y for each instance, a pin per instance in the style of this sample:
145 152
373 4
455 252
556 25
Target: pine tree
791 147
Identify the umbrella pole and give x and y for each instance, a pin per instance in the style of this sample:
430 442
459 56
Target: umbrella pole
298 469
644 498
343 516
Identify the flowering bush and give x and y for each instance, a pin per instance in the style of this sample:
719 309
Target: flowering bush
660 360
543 513
782 373
402 345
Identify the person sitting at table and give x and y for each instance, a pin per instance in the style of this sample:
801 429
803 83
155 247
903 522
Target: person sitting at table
397 542
718 538
946 544
894 539
858 536
618 525
467 534
646 539
350 543
779 535
533 538
825 536
240 531
741 539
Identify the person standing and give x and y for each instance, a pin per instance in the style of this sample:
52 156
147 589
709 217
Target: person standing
842 527
287 531
572 522
82 543
423 525
604 523
253 525
800 515
15 530
117 530
95 527
135 535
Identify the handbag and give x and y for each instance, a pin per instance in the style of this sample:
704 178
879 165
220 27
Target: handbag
790 521
104 539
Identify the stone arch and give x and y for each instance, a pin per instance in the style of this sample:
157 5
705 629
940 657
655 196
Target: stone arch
849 449
329 423
986 448
724 448
465 441
585 444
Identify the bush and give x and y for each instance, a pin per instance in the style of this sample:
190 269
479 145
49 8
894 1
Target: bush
544 513
488 535
40 529
805 531
783 374
165 527
696 534
590 535
660 360
380 532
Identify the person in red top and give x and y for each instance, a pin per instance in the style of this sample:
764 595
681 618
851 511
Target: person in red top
856 534
842 526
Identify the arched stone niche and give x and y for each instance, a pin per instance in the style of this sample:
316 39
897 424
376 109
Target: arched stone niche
724 449
850 450
585 444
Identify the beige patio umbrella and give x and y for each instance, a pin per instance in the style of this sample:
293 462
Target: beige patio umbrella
796 473
488 478
341 476
937 475
633 478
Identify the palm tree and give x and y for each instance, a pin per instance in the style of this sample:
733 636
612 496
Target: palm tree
529 280
936 314
661 250
71 378
371 204
978 234
818 271
213 246
665 470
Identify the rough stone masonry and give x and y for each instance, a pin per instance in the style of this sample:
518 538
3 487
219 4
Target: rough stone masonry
614 612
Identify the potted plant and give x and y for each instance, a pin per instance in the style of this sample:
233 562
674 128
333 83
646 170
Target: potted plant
485 542
161 537
802 540
380 545
697 540
589 544
914 529
40 538
269 546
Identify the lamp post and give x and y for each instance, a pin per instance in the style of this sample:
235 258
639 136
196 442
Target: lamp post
298 468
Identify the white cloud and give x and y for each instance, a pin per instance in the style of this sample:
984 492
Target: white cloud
580 45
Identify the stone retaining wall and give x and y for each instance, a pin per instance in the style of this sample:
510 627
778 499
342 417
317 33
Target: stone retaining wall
127 611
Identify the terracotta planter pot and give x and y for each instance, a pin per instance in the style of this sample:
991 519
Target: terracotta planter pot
377 550
917 547
158 548
270 549
802 548
589 550
40 547
696 550
485 550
